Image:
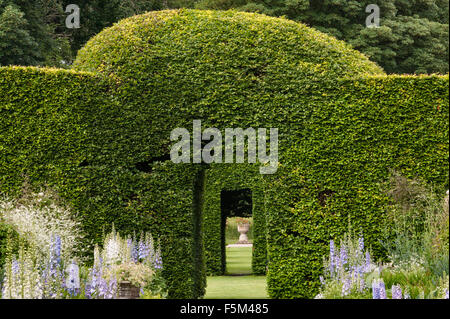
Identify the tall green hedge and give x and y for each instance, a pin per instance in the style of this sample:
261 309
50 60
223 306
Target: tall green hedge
62 129
227 69
347 138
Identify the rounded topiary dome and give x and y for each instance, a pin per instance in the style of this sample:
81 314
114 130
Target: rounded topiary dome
177 65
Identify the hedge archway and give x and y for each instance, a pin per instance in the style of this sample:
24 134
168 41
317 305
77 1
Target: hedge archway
223 68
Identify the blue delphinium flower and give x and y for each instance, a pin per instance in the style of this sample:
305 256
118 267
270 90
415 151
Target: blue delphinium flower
55 250
362 284
361 245
368 262
53 274
158 263
15 267
112 289
332 257
134 252
87 290
375 290
322 280
343 256
102 287
446 294
396 292
93 283
73 280
143 250
346 287
382 289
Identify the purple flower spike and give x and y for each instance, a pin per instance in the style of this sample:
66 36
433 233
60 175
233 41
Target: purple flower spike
55 252
322 280
361 245
143 250
346 288
382 289
332 257
375 290
368 262
396 292
343 256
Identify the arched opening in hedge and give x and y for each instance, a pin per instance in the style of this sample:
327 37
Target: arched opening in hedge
233 203
225 182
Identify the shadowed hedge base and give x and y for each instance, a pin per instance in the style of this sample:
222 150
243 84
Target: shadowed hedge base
102 140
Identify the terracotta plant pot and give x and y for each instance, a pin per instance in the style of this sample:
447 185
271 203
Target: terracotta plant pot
128 291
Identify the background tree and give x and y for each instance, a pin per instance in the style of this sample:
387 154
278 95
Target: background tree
95 15
28 33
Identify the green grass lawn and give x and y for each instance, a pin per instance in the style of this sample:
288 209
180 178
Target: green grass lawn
239 261
235 285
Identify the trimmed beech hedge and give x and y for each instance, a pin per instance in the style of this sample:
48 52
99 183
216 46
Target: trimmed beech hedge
227 69
347 138
102 141
61 129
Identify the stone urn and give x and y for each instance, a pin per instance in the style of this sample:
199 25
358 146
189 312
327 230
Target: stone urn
128 290
243 230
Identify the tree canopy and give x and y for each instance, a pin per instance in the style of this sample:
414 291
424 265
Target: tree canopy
412 37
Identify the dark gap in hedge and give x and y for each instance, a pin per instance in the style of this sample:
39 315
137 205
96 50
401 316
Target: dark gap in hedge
236 203
258 71
324 196
294 233
147 166
84 163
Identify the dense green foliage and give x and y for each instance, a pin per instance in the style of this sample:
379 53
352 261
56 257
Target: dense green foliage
346 139
58 129
31 33
202 64
413 37
107 152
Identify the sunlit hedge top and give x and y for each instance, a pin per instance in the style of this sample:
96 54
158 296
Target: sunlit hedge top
213 65
226 40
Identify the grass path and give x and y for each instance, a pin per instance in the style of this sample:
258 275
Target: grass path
239 283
